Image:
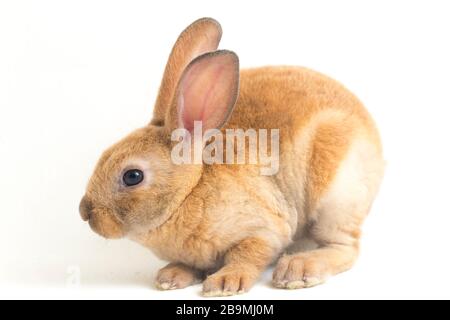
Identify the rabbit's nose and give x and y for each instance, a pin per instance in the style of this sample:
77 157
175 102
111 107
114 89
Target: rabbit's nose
85 208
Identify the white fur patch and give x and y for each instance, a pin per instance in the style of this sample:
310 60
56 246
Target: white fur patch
352 192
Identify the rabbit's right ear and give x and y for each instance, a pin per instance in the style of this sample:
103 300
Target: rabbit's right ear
207 92
200 37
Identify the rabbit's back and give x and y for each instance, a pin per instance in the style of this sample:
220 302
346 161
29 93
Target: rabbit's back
287 97
319 122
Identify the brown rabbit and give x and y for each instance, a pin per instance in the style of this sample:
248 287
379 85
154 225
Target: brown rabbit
229 222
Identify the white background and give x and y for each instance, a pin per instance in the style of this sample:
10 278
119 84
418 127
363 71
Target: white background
75 76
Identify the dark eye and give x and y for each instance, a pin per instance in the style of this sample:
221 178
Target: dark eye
133 177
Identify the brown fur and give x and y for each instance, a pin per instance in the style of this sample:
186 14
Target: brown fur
230 220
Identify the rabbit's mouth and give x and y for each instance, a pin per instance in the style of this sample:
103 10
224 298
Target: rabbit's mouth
101 220
106 226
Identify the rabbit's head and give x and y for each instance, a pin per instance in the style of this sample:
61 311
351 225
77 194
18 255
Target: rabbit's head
136 186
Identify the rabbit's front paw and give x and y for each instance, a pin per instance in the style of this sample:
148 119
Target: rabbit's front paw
176 276
299 271
228 282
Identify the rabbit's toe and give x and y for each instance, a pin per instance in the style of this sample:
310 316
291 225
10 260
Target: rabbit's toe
298 271
176 276
227 283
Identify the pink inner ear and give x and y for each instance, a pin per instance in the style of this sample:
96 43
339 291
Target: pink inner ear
208 91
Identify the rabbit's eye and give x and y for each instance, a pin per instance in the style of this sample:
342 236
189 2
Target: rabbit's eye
133 177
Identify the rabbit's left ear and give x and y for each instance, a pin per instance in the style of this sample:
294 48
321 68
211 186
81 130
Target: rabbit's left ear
207 92
198 38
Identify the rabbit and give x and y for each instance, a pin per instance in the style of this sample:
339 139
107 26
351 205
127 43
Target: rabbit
224 224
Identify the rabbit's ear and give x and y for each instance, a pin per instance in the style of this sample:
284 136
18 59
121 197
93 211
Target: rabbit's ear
200 37
207 92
